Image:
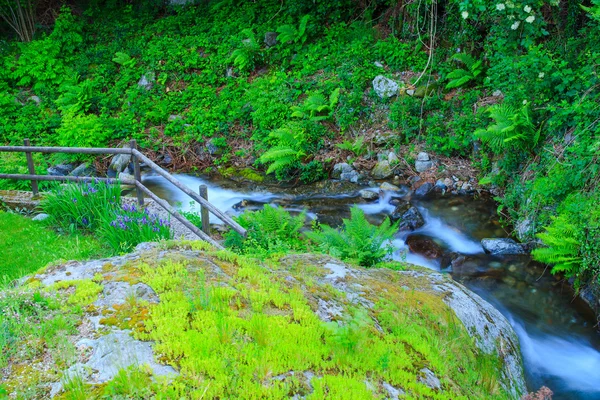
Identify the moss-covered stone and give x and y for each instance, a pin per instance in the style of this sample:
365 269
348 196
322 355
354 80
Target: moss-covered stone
234 327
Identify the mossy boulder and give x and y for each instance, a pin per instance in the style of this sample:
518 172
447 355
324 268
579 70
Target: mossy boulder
182 320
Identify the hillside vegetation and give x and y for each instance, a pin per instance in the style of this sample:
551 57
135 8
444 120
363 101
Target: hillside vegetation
512 85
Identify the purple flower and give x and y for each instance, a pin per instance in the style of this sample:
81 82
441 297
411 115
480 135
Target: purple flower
74 200
113 224
84 221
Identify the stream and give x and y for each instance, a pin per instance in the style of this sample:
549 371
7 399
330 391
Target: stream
559 341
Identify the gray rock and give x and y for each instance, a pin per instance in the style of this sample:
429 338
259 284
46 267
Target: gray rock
368 195
382 170
424 190
213 149
492 332
378 64
410 218
422 166
384 138
125 176
345 172
84 169
393 158
117 293
422 156
410 92
229 73
60 169
329 310
116 351
497 93
389 187
524 229
429 379
175 117
118 164
35 99
393 393
385 87
147 80
271 39
440 186
180 2
40 217
503 246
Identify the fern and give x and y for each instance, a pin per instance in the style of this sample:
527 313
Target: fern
124 59
270 230
461 76
317 107
289 33
357 147
512 129
287 152
245 57
358 240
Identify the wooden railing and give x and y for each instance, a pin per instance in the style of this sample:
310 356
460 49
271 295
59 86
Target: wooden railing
201 197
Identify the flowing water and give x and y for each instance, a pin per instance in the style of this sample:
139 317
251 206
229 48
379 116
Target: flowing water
559 342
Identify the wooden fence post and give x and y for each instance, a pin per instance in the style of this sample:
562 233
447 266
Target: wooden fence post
137 173
204 211
31 167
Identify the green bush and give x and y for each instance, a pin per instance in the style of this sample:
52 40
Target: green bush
270 230
358 240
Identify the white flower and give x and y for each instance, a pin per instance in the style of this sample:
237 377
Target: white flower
500 7
527 9
464 14
524 102
530 19
541 75
515 25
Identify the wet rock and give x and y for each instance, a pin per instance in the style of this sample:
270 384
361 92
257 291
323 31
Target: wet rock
440 186
389 187
84 169
345 172
424 190
465 266
368 195
409 220
126 176
385 87
424 246
270 39
503 246
382 170
60 169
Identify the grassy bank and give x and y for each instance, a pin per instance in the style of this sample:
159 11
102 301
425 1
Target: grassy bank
26 246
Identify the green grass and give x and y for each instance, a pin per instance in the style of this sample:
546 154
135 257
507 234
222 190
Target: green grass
26 246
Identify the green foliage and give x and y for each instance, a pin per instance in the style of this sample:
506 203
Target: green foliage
513 129
316 107
357 147
81 206
124 59
125 228
286 153
358 240
472 73
289 33
270 230
245 58
572 239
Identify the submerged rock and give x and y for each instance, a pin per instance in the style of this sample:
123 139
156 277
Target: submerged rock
181 308
409 216
424 246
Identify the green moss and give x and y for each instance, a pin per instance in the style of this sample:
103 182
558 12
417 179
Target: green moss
251 175
86 291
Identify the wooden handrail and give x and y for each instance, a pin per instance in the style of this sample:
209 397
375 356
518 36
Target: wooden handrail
137 182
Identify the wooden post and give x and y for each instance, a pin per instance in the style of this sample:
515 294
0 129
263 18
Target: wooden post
137 173
31 167
204 211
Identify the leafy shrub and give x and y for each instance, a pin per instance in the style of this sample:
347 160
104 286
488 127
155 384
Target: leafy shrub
358 240
513 129
316 107
289 33
127 227
473 71
572 239
286 153
79 130
270 230
81 205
